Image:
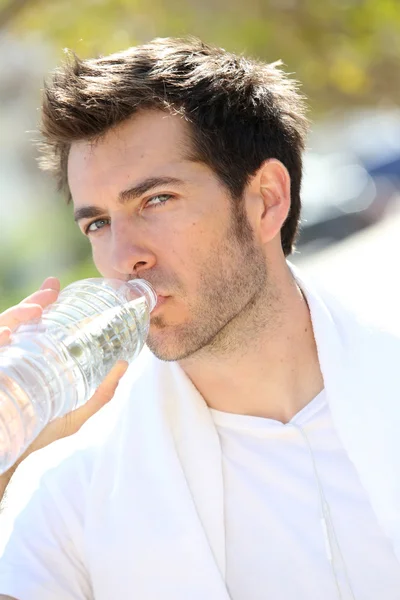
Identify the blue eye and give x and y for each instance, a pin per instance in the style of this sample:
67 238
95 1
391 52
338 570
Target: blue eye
163 199
96 225
154 201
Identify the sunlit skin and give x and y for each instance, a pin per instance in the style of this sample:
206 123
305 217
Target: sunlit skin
233 318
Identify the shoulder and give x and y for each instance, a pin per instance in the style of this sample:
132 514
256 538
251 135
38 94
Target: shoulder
363 333
355 321
352 343
358 307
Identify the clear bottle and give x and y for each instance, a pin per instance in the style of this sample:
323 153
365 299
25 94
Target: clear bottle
54 365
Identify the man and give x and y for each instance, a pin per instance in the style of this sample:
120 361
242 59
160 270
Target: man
251 452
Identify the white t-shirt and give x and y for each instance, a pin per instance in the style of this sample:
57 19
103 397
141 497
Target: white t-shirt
276 479
73 541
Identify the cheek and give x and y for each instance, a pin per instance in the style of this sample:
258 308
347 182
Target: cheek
202 253
189 250
101 259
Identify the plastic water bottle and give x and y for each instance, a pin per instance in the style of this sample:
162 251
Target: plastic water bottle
54 365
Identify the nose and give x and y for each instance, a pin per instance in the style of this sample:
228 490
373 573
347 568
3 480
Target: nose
129 255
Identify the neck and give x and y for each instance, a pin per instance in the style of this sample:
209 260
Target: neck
271 370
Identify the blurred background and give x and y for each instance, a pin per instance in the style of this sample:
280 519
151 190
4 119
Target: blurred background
346 53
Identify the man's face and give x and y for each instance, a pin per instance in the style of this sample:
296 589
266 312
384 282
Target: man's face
175 228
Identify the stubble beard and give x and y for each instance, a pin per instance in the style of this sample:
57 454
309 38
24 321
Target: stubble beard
229 306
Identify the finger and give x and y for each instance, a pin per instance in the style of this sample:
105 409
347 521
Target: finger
42 297
103 394
5 335
32 306
106 390
21 313
51 283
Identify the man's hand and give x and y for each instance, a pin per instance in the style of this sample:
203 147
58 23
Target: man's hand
29 309
32 308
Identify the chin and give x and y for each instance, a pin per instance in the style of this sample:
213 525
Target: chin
166 349
164 354
159 344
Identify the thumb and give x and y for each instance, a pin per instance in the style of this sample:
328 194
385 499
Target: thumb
102 395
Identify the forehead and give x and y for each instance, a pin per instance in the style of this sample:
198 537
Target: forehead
150 143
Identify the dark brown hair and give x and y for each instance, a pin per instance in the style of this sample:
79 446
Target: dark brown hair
241 111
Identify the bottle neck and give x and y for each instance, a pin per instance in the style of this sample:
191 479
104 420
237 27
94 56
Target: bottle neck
145 289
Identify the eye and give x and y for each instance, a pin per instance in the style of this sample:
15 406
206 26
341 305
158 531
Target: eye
96 225
158 200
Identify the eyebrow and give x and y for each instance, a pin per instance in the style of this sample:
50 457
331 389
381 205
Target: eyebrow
131 193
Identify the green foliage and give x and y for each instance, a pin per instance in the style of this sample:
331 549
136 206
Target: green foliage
344 51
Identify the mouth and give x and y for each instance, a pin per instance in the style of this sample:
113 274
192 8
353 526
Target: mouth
160 301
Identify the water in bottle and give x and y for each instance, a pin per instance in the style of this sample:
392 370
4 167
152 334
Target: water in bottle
55 364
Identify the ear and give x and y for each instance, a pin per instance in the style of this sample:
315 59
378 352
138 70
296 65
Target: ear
271 187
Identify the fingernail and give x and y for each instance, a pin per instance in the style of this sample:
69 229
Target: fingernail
50 277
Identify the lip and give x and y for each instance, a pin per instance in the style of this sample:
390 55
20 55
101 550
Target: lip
160 302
